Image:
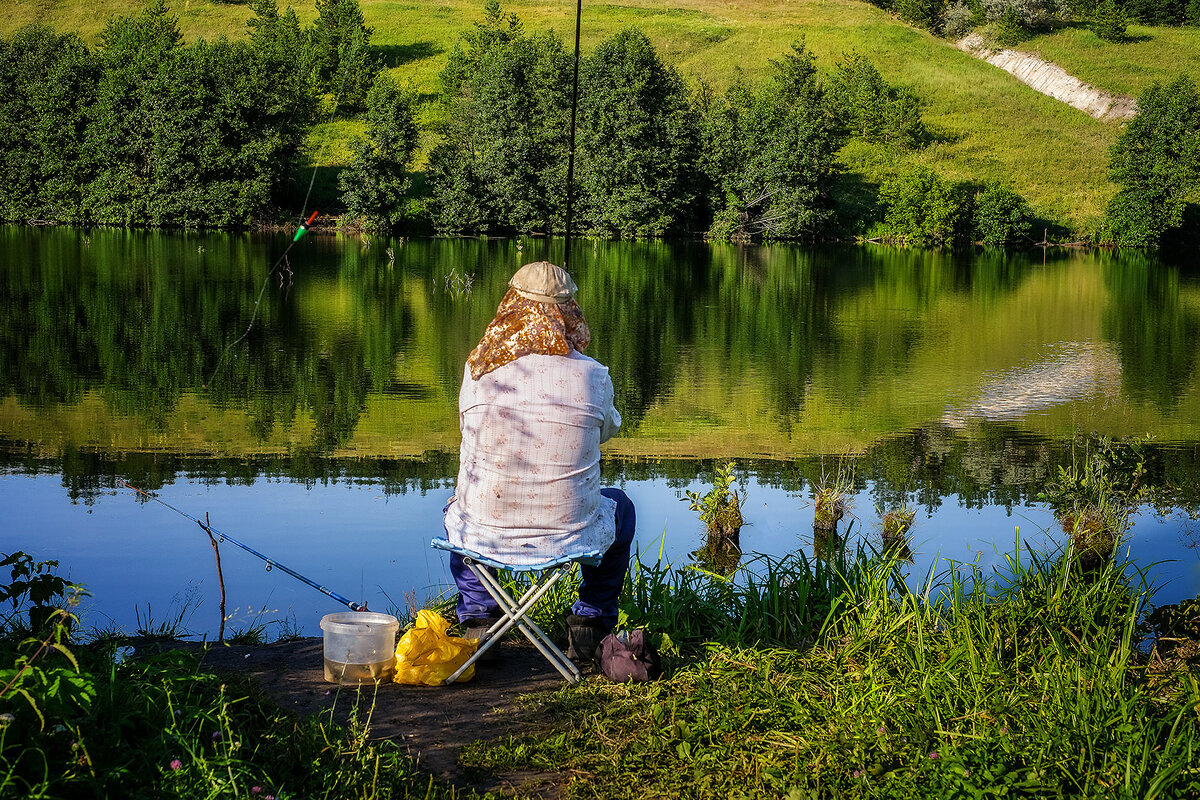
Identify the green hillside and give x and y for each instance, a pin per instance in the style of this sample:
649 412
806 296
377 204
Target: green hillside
989 126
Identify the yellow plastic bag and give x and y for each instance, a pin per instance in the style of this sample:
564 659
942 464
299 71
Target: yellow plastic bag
427 655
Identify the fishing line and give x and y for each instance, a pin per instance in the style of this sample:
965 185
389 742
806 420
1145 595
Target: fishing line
337 98
224 537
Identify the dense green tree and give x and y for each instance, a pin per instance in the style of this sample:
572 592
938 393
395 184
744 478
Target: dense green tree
922 13
1001 216
922 208
1156 162
502 162
638 141
340 44
46 83
146 130
495 30
120 135
868 108
376 182
769 154
1110 22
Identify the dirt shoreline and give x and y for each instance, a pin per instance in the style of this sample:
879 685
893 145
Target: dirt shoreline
432 723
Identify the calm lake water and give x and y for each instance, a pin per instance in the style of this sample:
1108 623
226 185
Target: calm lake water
327 436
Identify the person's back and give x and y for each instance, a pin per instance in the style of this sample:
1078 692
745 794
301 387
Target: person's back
529 473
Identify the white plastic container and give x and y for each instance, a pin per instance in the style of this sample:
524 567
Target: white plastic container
360 647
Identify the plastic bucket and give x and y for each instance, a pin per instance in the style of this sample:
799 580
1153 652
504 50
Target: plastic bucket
360 647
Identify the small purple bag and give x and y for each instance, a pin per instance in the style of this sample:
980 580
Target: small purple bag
628 657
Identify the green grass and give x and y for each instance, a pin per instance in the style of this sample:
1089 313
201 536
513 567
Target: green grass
76 723
1025 683
992 127
1152 55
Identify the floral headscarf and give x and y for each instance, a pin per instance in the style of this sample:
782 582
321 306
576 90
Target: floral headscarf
523 327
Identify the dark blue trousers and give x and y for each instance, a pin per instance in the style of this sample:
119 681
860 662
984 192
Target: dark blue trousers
600 586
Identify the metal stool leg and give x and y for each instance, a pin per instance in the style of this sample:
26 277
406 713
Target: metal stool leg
515 613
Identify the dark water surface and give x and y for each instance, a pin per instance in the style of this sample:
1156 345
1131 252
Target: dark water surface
327 437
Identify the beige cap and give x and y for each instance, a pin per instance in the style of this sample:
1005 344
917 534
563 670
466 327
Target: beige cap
543 282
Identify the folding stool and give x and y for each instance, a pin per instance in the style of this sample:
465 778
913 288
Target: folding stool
515 612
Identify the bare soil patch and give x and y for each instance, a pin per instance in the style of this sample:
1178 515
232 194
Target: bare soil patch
432 723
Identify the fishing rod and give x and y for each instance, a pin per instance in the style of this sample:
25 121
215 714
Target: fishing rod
211 531
571 148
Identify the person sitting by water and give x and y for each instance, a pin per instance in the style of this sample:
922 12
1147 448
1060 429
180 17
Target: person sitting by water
533 411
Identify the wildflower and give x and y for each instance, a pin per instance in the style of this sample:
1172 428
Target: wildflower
966 773
269 797
255 790
857 773
881 730
935 755
216 737
176 765
6 719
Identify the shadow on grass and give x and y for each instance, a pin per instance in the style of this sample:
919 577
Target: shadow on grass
397 55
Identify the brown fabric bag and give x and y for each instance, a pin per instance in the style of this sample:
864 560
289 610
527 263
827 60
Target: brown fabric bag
628 656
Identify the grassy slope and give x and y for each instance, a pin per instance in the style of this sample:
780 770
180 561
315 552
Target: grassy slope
992 127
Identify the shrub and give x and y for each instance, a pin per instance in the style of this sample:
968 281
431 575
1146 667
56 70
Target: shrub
1001 216
375 183
1109 22
1156 162
871 109
638 141
922 208
958 20
769 154
922 13
1030 15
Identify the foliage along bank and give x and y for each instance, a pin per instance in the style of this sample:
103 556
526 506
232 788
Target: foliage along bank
142 130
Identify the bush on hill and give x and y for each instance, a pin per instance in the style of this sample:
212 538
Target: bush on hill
1156 162
375 185
867 107
1001 216
922 208
769 155
1110 22
501 164
340 49
144 130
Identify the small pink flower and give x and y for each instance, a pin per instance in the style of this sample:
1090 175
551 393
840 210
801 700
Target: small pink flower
881 730
176 764
269 797
857 773
935 755
255 790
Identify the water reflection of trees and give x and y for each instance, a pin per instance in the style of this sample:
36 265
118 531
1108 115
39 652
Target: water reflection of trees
990 465
1155 333
140 320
